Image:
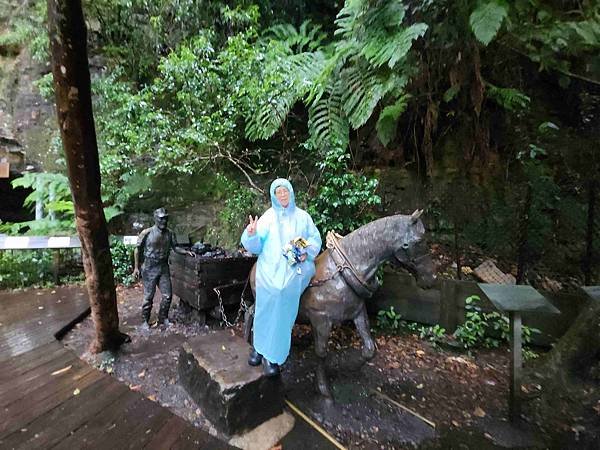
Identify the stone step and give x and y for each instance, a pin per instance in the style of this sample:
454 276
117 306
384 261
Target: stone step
234 396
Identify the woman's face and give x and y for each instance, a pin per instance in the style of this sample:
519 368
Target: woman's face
283 196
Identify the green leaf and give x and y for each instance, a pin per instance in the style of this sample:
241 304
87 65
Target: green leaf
362 91
509 98
487 19
387 122
381 48
136 183
110 212
327 122
451 93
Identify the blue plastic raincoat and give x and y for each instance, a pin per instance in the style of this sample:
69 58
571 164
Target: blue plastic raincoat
279 285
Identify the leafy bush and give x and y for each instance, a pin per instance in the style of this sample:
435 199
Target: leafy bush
54 193
433 334
344 199
26 28
487 330
389 319
122 259
24 268
238 203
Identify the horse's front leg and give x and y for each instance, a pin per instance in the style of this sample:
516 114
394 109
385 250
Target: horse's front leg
361 321
321 326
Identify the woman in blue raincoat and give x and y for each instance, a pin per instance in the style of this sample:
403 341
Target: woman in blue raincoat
279 284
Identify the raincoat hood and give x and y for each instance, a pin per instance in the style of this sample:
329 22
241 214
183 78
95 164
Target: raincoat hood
286 184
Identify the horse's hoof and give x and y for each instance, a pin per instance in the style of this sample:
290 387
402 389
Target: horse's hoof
323 389
368 353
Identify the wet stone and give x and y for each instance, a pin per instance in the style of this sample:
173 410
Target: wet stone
234 396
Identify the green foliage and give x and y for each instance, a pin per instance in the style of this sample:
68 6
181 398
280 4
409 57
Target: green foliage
25 268
367 66
292 61
556 36
388 120
510 99
27 28
136 34
433 334
487 330
343 200
346 81
238 203
327 121
46 86
389 319
307 38
487 19
122 260
52 190
186 120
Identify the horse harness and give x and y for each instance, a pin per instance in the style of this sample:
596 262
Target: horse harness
362 288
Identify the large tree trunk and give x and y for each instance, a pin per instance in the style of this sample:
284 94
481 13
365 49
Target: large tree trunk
576 355
569 374
68 43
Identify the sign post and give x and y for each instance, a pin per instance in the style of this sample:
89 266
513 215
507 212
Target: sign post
515 300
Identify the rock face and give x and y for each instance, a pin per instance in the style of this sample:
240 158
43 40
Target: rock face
232 395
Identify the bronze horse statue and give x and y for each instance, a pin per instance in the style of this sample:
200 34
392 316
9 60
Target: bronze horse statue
345 277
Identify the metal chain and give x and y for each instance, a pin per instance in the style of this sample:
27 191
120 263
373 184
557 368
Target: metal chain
243 307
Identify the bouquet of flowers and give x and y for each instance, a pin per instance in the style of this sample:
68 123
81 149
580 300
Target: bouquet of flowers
294 249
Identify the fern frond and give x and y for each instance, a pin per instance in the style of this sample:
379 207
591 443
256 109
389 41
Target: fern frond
327 122
388 15
387 123
509 98
270 114
306 68
348 17
307 37
363 88
381 48
282 32
328 76
487 19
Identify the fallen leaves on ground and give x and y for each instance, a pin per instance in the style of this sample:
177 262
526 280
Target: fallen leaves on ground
479 412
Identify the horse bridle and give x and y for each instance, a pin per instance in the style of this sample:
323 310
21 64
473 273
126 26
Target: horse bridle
409 250
362 287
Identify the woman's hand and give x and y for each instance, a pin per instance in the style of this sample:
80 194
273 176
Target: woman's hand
251 228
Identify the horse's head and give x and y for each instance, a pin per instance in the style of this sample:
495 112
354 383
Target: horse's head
412 252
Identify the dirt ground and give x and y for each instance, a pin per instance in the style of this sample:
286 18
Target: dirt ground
411 395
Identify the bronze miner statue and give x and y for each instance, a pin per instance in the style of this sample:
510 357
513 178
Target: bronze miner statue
153 247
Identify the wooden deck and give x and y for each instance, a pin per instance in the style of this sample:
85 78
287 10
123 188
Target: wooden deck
49 398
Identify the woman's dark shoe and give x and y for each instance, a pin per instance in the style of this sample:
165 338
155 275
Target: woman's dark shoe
271 369
255 358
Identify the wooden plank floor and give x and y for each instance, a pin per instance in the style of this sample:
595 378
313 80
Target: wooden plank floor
49 398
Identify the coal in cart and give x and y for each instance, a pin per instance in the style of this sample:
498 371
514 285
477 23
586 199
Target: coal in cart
210 283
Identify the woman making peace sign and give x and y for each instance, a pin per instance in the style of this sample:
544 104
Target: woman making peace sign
278 283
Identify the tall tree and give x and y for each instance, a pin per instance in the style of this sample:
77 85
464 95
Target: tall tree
68 41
